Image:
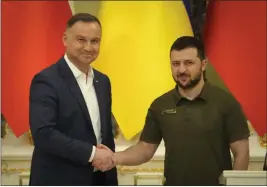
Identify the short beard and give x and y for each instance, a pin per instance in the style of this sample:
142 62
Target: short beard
192 83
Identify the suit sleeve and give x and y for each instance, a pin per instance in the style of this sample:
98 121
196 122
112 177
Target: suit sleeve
43 121
265 163
111 136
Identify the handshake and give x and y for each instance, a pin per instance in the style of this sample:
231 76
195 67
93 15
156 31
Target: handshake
104 158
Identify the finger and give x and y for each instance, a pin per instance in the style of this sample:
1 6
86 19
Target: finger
102 146
100 166
97 163
103 168
97 166
110 166
99 145
107 162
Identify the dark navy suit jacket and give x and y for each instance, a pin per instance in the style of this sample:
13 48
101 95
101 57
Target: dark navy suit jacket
62 129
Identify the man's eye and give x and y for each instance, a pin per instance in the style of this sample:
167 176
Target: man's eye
189 63
94 41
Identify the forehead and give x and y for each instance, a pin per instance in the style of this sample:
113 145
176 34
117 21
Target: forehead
184 54
87 29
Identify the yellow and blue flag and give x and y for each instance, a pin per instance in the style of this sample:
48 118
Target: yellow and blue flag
136 41
187 4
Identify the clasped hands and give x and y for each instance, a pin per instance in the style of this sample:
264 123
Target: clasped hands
104 159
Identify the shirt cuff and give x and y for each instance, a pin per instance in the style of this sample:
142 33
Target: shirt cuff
92 154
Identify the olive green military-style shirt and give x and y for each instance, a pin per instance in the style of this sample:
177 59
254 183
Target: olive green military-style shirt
197 134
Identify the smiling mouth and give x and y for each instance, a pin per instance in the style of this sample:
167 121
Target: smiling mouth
87 55
183 77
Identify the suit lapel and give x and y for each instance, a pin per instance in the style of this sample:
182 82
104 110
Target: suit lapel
75 89
98 85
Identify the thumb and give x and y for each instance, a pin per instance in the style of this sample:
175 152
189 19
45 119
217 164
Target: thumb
101 146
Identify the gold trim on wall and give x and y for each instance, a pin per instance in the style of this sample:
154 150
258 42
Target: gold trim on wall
14 170
123 170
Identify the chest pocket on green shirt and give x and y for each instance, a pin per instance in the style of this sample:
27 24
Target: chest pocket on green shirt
206 117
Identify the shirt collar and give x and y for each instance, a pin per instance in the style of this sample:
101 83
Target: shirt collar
76 72
203 94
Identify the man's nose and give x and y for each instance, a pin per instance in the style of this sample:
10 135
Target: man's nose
182 68
88 46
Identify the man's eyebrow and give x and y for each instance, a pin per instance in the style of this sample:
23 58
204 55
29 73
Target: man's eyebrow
79 36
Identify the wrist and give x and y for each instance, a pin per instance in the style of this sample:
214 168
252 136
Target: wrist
93 154
119 158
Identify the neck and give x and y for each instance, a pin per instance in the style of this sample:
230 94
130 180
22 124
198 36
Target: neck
82 67
191 93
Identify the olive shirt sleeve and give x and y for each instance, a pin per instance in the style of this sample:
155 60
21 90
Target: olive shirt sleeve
151 132
236 125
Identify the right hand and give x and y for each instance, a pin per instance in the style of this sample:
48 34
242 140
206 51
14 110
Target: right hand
103 159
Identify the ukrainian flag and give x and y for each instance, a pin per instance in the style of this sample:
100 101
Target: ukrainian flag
136 41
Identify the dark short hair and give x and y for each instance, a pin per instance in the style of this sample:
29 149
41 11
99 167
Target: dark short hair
188 42
84 17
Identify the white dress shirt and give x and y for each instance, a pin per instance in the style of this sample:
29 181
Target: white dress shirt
88 91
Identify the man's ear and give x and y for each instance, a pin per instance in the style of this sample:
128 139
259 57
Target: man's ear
204 64
64 39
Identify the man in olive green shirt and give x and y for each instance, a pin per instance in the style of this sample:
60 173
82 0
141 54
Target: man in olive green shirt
199 123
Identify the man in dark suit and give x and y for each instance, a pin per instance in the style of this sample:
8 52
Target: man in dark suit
70 113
